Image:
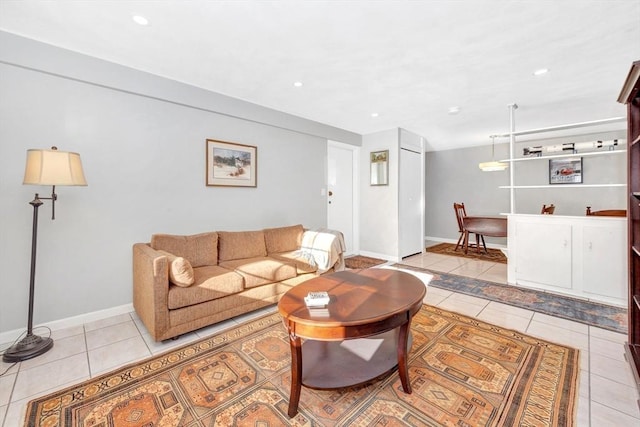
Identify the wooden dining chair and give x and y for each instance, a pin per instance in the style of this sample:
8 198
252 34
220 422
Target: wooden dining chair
461 213
548 210
606 212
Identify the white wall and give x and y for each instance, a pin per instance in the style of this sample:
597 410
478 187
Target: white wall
379 203
454 176
142 143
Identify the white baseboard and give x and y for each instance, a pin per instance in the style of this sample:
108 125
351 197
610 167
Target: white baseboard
11 336
380 256
454 241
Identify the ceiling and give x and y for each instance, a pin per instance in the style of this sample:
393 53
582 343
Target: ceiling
407 61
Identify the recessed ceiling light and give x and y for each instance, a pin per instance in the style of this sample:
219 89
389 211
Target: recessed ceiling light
541 71
454 110
140 20
374 114
298 84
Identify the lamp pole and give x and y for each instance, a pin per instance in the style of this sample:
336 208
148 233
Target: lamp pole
31 345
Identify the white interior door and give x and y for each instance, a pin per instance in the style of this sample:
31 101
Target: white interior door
341 191
410 203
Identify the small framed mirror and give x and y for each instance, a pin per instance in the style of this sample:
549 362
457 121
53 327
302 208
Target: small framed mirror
380 167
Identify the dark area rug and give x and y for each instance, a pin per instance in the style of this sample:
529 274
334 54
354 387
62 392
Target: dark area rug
494 255
588 312
463 372
359 261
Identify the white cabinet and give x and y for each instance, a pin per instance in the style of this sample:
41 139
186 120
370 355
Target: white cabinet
604 268
580 256
544 253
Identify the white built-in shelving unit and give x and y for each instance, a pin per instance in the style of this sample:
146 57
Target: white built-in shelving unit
513 159
563 254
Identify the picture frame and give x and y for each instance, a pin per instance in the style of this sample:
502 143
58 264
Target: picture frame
379 167
565 170
230 164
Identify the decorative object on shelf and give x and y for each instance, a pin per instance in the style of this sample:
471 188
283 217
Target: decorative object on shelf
231 165
565 171
493 165
380 167
569 147
44 167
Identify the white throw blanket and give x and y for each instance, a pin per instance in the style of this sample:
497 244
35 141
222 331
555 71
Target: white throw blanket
324 248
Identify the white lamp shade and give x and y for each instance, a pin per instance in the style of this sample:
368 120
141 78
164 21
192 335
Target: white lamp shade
53 167
493 166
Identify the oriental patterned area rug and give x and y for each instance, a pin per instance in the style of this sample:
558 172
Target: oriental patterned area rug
493 255
357 262
463 373
590 313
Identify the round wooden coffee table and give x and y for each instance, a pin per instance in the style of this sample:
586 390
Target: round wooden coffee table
373 304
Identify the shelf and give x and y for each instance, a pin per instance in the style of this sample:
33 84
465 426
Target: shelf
635 250
559 156
564 186
562 127
635 141
636 299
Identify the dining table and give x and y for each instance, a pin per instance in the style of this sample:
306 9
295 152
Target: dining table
485 225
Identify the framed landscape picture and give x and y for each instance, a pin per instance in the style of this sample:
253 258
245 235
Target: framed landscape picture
230 164
565 171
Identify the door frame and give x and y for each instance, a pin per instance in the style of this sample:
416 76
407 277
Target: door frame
355 172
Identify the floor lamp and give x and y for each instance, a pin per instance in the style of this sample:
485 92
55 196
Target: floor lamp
44 167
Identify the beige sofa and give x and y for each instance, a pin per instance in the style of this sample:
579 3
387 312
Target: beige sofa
183 283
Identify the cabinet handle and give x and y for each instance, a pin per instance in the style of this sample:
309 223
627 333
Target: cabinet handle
590 245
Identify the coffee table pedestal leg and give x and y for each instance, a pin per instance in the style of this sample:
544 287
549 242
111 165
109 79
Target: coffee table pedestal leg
403 366
296 374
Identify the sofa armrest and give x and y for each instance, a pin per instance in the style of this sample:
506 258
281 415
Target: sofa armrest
151 288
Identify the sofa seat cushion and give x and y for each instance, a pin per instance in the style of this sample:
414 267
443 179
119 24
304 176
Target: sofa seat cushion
261 270
210 282
198 249
283 239
304 263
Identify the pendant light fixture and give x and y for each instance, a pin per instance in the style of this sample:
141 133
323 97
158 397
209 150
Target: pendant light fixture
493 165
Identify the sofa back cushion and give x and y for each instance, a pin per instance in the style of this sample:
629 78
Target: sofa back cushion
198 249
241 244
283 239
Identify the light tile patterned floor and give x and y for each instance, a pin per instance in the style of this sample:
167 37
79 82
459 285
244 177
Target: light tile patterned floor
607 394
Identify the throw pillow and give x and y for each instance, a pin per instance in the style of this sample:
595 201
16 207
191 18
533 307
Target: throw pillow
180 270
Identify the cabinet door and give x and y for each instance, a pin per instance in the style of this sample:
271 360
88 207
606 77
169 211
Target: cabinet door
544 253
410 201
604 262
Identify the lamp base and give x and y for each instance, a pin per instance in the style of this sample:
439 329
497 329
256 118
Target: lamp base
27 348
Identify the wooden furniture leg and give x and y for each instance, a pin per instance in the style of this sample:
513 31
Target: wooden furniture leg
403 366
466 241
296 373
